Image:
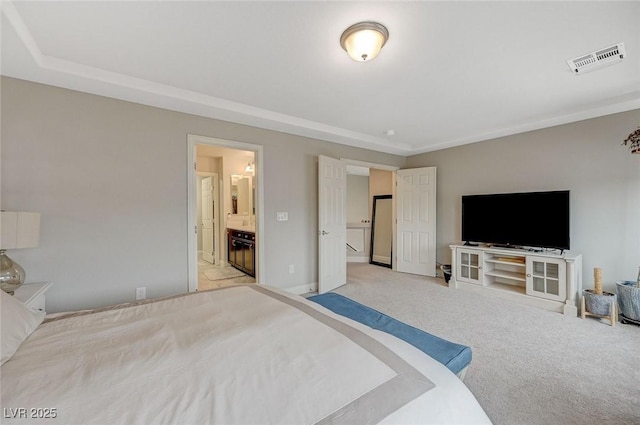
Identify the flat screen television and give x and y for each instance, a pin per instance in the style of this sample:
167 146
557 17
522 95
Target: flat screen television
529 219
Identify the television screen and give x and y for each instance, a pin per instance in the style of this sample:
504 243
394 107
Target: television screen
529 219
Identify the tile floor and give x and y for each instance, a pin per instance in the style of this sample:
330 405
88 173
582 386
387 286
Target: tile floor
212 276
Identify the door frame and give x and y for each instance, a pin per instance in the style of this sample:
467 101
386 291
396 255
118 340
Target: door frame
385 167
192 241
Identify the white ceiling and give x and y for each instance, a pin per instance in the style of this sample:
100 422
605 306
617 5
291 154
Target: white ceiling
451 73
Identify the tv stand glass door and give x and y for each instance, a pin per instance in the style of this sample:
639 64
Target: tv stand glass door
469 268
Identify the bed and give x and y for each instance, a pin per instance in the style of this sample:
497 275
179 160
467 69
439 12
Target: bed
455 357
246 354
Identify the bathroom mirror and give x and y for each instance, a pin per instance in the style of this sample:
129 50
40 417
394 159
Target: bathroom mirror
381 231
241 195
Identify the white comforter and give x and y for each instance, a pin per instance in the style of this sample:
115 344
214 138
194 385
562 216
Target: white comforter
239 355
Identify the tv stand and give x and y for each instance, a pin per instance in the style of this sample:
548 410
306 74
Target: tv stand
548 280
506 246
467 243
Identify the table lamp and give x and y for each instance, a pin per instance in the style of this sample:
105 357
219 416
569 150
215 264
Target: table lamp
18 230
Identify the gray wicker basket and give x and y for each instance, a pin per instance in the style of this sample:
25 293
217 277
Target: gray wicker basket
628 298
599 304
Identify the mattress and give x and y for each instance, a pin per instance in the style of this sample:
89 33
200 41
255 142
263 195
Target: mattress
246 354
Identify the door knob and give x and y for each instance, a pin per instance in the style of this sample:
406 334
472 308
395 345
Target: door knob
324 233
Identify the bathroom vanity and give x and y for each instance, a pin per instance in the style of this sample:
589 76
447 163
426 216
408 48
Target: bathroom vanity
241 250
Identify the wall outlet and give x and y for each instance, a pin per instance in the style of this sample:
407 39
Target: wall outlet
292 269
141 293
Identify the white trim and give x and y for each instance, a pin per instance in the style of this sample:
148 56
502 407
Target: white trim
369 164
192 248
303 289
393 169
357 259
107 83
89 79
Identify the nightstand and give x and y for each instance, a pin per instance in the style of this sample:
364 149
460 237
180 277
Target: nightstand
32 294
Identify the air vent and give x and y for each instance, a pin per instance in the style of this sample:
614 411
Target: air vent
597 59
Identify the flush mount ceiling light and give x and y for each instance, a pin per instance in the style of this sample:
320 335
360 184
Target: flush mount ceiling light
363 41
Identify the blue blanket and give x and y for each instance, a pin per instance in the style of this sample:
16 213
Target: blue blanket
454 356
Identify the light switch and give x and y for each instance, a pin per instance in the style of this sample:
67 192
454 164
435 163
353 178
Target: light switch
282 216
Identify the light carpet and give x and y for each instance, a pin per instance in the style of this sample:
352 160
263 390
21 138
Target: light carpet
530 366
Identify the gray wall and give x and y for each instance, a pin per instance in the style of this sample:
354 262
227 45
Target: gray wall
110 177
585 157
110 180
358 198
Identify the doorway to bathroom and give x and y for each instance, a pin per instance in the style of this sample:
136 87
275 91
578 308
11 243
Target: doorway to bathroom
224 213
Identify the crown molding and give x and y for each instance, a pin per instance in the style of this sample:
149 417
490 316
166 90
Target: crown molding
119 86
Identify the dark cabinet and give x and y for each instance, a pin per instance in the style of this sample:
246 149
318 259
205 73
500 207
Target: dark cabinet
241 250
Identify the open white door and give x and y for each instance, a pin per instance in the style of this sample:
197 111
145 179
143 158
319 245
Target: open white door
332 223
416 221
208 221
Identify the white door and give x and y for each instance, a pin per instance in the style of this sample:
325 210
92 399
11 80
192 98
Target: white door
208 220
332 223
416 221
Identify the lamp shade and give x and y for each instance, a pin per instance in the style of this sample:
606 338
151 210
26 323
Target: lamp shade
364 40
19 230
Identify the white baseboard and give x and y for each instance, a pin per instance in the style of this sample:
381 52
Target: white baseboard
357 260
303 289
